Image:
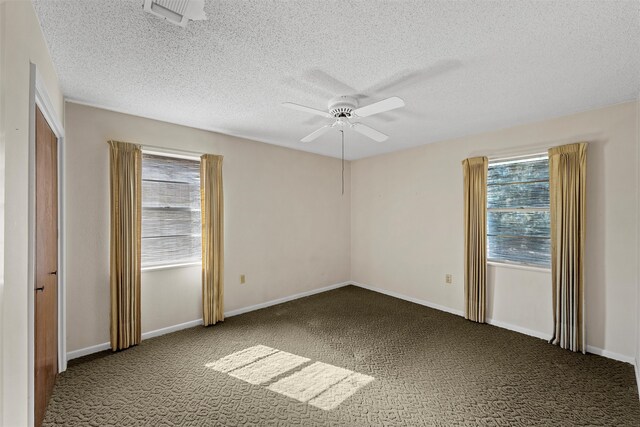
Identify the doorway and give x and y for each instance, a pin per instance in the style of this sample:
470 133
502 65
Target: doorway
46 266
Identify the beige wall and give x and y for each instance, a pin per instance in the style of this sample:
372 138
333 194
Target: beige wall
407 225
287 225
638 290
22 43
2 89
2 179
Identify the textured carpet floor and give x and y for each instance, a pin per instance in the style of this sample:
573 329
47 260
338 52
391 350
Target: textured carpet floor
430 368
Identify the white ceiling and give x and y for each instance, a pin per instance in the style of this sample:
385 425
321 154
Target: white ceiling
462 67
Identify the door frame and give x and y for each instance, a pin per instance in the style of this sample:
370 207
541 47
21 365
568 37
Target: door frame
39 96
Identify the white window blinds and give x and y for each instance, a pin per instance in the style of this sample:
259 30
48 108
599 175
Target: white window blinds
171 230
518 219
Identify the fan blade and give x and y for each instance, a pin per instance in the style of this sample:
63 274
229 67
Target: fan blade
316 134
407 78
379 107
326 80
307 109
370 132
307 88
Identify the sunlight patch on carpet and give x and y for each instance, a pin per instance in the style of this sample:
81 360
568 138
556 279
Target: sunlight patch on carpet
310 382
241 358
340 392
320 384
268 368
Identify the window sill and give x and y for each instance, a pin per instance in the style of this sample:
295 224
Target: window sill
168 266
519 266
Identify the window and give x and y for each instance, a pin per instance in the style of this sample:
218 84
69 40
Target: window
518 218
171 231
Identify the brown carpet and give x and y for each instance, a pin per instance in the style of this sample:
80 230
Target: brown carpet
430 368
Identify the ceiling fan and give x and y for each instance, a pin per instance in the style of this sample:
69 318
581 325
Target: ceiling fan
343 109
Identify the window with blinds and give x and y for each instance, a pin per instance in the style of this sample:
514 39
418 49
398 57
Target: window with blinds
171 231
518 218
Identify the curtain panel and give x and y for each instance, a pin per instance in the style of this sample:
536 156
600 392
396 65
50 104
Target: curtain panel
211 198
567 185
126 228
475 238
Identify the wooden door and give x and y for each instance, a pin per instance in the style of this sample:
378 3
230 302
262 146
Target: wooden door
46 277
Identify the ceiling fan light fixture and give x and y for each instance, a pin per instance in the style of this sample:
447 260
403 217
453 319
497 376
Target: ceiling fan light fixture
342 106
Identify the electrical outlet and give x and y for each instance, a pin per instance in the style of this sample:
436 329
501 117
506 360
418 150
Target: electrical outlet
448 278
242 279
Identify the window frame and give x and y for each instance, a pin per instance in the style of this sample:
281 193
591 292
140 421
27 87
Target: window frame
174 155
507 263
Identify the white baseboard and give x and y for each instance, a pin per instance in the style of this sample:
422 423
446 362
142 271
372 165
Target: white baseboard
151 334
410 299
590 349
610 354
283 299
88 350
637 365
169 329
519 329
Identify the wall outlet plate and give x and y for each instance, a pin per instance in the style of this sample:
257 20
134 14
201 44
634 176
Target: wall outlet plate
448 279
242 279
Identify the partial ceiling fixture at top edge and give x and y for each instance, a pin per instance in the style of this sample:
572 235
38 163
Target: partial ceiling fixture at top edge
178 12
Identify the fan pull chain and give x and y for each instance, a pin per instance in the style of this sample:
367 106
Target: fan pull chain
342 132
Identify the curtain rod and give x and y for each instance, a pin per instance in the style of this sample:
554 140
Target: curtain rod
533 150
151 149
165 150
495 159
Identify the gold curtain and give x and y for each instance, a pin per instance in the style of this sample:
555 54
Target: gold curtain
475 238
212 239
126 238
567 186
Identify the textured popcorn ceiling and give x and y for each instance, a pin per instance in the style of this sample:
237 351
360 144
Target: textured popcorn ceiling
462 67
